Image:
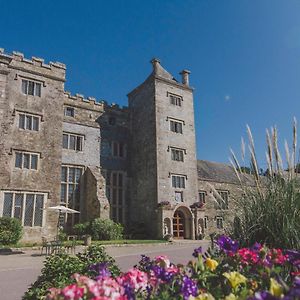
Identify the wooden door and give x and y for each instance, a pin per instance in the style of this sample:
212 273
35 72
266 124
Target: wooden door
178 225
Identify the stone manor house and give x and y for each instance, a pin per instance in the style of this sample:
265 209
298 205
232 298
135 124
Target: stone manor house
136 165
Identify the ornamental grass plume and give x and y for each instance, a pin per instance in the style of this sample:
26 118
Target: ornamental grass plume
269 209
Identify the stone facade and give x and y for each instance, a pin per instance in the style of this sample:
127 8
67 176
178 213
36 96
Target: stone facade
135 165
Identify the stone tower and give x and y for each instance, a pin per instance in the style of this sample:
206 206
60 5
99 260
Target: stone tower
31 116
163 159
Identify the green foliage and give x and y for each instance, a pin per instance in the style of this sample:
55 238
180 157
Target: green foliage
95 254
62 236
269 210
106 230
10 230
59 268
271 216
81 228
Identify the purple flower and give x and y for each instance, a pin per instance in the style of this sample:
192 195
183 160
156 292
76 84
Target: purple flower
101 270
197 252
256 247
228 245
293 257
145 263
294 292
129 291
162 274
188 288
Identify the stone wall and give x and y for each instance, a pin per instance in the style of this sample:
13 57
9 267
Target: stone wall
96 203
46 142
210 207
143 167
90 154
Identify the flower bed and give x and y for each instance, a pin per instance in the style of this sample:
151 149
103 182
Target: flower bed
228 272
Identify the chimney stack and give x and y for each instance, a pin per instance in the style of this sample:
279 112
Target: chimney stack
155 63
185 76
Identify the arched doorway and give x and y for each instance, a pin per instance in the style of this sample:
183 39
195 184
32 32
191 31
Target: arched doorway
179 225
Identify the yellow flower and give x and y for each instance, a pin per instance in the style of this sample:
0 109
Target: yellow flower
231 297
235 278
275 288
211 264
204 296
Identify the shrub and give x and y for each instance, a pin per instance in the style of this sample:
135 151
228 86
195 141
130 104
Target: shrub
106 230
82 228
269 211
62 236
10 230
59 268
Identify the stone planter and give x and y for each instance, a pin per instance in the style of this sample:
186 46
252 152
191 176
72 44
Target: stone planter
87 240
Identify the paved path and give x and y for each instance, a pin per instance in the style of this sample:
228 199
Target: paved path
18 271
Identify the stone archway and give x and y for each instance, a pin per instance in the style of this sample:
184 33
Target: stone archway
182 223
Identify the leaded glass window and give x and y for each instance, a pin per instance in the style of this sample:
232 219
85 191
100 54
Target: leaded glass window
27 207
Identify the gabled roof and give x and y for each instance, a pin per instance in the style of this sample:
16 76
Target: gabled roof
161 72
219 172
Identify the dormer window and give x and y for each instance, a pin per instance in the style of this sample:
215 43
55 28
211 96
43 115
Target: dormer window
69 111
31 88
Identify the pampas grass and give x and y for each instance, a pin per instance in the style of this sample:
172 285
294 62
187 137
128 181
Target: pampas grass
269 209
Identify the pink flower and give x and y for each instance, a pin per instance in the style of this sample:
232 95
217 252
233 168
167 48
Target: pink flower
162 261
248 256
109 287
72 292
275 256
172 270
136 279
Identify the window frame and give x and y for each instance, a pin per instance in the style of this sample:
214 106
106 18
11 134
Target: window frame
69 108
177 154
24 156
70 183
224 205
35 85
204 193
205 222
181 196
26 116
77 137
176 126
175 99
178 181
220 222
116 194
23 206
117 148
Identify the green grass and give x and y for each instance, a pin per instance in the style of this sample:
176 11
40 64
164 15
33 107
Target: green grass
128 242
20 245
80 242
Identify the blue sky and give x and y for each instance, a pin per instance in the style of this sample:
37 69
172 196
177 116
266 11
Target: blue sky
244 56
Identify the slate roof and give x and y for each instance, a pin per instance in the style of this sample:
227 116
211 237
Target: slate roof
219 172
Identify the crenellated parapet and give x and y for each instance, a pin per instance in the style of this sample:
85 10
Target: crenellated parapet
115 108
78 100
35 65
